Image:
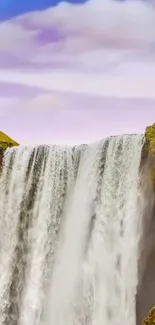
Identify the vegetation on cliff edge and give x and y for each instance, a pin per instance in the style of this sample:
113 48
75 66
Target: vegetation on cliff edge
150 320
7 142
150 138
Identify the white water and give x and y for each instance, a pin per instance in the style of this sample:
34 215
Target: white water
69 232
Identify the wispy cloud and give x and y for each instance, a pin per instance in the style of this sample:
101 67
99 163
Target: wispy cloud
66 63
91 34
60 118
104 39
93 83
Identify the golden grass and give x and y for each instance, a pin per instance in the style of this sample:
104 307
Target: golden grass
150 320
6 141
150 137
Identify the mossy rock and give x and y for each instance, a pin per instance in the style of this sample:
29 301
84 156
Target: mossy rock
7 142
148 155
150 320
150 138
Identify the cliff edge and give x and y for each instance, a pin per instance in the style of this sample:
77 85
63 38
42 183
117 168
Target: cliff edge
150 320
148 154
145 299
5 142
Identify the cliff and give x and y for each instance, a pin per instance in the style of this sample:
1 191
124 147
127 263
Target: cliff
145 295
150 320
5 142
150 138
148 154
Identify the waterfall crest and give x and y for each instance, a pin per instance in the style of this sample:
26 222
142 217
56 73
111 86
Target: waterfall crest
70 223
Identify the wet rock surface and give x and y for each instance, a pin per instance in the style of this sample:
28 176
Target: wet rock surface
2 150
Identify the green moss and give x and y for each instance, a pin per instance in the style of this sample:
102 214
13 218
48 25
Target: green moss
7 142
150 320
150 138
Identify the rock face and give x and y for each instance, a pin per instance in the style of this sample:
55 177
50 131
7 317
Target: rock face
1 155
148 154
150 138
146 273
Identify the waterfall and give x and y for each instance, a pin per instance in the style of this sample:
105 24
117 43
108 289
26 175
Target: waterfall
70 224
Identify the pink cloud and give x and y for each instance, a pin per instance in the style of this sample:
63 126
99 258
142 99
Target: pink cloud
50 60
62 118
74 34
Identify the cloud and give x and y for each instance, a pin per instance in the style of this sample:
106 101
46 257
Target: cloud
17 90
102 47
78 34
101 23
47 102
62 118
133 85
66 71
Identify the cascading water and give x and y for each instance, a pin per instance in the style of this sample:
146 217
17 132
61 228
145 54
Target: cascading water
70 223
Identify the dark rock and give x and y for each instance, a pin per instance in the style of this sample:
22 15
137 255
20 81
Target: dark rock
2 150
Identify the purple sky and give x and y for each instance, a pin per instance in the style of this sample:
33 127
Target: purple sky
65 78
